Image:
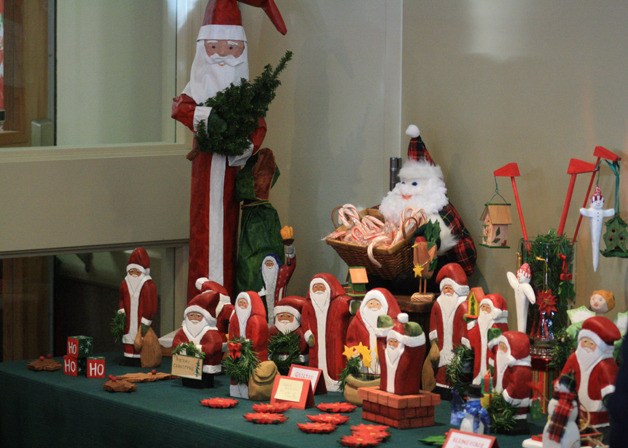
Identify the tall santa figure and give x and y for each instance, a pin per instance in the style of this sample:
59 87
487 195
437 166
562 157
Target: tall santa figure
513 373
199 327
401 351
493 315
595 369
447 322
326 318
221 59
363 327
249 322
422 186
138 301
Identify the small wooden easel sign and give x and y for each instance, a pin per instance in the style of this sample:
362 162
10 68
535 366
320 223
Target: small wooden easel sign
187 367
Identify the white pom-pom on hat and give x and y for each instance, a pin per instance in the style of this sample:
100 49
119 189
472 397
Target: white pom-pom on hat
403 318
413 131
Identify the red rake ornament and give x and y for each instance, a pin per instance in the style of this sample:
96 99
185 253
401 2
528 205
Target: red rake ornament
272 408
265 418
341 406
219 403
359 440
317 428
334 419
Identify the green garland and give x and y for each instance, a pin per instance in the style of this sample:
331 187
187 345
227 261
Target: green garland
502 414
236 111
117 326
352 368
188 349
280 345
564 347
457 371
240 369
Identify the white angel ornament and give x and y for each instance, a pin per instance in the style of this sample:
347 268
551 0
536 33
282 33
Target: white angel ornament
524 294
596 214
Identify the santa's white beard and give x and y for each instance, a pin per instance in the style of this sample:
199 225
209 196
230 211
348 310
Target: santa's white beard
286 327
269 275
588 358
503 360
320 300
207 77
393 354
194 327
485 321
448 304
134 282
243 317
370 316
430 195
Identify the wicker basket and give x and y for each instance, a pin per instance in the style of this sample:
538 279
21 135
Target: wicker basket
395 260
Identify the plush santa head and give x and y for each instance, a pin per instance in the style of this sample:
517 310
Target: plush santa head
288 314
452 281
513 347
198 314
524 274
596 341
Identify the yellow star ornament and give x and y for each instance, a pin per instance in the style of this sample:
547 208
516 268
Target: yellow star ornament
418 270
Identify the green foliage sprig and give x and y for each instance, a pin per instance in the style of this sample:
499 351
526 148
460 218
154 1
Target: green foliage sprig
560 351
240 369
351 368
458 371
236 111
188 349
502 414
283 350
117 326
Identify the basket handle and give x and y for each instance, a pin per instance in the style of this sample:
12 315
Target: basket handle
333 212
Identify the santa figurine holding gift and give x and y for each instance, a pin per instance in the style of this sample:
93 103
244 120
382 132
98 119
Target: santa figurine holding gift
595 369
513 373
493 315
288 321
363 327
221 59
401 349
326 318
199 327
138 302
447 318
249 322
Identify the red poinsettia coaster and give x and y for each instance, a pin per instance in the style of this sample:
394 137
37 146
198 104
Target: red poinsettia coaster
219 403
341 406
359 440
379 432
265 418
334 419
365 427
316 428
272 408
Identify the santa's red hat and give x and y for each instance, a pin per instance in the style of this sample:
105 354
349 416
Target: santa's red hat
140 260
518 343
398 332
597 194
292 305
204 284
255 302
205 304
453 275
416 148
601 330
223 19
498 306
525 270
420 164
389 303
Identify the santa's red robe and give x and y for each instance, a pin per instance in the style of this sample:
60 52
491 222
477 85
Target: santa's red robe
212 248
146 311
437 331
337 322
211 344
256 328
517 387
601 382
222 321
474 342
408 373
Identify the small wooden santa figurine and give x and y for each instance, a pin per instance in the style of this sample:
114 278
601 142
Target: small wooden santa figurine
595 369
138 302
513 374
561 429
288 321
363 327
524 294
326 318
199 327
249 322
493 314
401 350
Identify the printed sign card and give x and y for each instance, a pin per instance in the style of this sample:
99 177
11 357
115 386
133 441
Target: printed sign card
463 439
312 374
296 391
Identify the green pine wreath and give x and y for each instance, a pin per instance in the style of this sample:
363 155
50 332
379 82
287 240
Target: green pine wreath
188 349
241 368
283 350
236 111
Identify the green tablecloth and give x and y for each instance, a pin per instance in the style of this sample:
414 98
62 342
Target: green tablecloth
53 409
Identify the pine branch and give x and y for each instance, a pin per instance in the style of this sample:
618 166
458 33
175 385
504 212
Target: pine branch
284 345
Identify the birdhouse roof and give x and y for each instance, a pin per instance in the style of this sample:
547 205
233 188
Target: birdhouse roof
498 213
357 275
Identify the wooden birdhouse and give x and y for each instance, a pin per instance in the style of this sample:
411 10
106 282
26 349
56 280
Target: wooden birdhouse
474 298
357 279
495 221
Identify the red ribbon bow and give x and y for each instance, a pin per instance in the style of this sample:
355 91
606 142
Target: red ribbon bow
234 349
